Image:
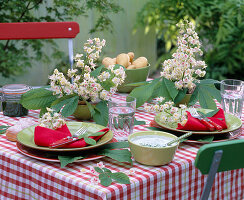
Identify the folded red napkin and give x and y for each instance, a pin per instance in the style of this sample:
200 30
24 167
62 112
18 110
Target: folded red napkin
45 136
194 124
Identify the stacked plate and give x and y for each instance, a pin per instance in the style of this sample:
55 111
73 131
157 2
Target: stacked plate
233 131
27 146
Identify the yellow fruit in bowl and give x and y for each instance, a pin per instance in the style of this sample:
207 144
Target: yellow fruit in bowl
123 59
108 61
140 62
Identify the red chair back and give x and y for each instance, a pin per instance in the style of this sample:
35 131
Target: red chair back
38 30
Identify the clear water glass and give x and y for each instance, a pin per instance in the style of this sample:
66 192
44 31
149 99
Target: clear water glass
121 117
232 93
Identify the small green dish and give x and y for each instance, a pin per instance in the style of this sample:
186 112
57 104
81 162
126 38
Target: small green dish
133 76
153 156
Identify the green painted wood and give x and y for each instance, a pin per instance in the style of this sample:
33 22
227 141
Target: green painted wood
233 156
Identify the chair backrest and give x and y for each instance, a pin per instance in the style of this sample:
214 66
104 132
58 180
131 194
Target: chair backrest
38 30
218 157
232 157
41 30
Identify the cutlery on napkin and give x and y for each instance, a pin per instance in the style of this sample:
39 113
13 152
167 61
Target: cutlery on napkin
212 126
45 137
194 124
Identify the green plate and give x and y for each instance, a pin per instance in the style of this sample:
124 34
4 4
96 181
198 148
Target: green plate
26 136
233 123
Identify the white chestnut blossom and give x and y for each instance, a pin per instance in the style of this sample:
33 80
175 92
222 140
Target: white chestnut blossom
86 86
51 119
183 69
170 115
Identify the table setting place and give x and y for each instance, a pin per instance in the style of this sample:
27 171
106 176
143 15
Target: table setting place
109 132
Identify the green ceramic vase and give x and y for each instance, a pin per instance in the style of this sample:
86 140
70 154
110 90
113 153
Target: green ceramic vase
82 112
185 100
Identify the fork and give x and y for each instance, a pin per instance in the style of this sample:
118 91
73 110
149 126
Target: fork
203 120
69 139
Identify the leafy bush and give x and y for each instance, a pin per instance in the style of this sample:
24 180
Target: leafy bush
220 25
15 56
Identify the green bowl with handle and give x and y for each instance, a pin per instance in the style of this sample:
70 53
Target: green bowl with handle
151 155
133 76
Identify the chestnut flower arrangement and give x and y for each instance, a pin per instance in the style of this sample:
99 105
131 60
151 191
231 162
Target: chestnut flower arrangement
183 69
88 87
170 114
87 83
181 75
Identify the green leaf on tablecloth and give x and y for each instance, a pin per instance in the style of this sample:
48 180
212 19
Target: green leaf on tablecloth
144 92
139 122
99 170
154 128
120 177
65 160
105 180
122 155
101 113
106 176
106 170
115 145
3 128
37 98
171 88
208 138
89 140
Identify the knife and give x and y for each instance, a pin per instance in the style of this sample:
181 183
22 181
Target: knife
216 126
195 114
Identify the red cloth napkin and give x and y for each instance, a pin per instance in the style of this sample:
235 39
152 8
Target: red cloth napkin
45 136
194 124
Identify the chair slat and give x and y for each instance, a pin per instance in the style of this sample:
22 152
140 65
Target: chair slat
38 30
232 158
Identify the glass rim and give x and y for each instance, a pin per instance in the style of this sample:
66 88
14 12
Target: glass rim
121 101
233 80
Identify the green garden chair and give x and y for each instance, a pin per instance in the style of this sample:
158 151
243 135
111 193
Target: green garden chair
219 157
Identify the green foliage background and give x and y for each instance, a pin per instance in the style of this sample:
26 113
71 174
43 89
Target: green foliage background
219 24
16 56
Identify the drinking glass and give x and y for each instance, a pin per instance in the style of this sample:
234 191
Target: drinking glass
121 116
232 93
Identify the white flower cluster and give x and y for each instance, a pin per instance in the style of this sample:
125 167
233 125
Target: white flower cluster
170 115
51 119
86 86
183 68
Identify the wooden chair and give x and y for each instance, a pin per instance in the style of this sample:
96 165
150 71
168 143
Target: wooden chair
218 157
41 30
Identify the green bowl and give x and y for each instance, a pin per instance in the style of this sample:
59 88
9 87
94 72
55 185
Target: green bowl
153 156
133 76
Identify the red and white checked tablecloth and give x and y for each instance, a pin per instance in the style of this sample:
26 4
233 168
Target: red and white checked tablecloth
22 177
